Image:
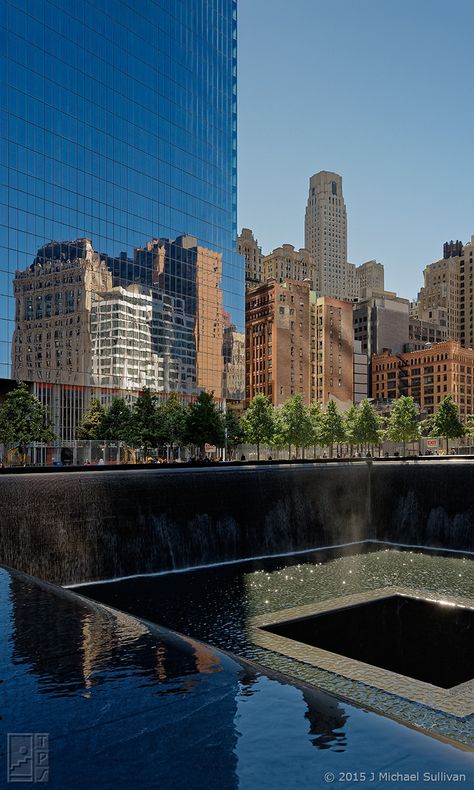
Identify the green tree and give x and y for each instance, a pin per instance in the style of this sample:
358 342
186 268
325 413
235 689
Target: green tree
278 439
446 422
403 424
235 433
368 427
351 426
116 421
470 425
91 424
332 427
23 419
143 430
315 416
258 422
172 421
297 428
204 422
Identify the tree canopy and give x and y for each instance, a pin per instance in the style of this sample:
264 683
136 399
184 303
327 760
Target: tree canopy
171 417
204 422
116 421
403 422
368 425
143 431
258 422
446 423
234 429
296 423
332 427
23 419
91 425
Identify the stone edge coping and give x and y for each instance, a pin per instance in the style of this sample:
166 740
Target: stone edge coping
457 701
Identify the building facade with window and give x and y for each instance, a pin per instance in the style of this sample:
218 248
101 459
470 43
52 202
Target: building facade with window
120 128
326 237
286 263
428 376
277 341
332 351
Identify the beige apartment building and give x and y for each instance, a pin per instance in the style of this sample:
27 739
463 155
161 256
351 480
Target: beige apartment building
370 274
286 263
448 284
248 246
277 341
332 351
52 340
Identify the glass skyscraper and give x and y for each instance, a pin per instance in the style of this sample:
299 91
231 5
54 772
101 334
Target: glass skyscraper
118 154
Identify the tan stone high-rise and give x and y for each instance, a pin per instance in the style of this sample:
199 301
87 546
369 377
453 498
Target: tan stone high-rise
370 275
449 284
326 235
52 340
277 341
332 351
286 263
248 246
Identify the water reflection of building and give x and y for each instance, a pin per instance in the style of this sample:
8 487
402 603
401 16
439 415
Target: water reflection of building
91 641
234 361
193 273
142 338
87 320
52 339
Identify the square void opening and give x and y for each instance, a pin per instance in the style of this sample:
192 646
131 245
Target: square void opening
421 639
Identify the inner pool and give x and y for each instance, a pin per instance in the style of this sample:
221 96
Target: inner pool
231 606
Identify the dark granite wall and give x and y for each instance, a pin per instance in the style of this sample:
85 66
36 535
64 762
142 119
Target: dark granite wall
73 526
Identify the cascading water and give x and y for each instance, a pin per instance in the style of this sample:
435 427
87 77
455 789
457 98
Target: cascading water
72 527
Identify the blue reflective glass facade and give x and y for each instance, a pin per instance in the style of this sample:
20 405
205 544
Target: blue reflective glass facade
118 144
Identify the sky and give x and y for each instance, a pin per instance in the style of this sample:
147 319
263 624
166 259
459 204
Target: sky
379 91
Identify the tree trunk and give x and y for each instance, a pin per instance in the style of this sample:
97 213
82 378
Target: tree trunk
447 445
258 451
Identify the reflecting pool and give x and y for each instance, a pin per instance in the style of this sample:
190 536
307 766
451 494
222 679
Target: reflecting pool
217 605
125 704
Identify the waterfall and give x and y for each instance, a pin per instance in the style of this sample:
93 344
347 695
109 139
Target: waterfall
70 527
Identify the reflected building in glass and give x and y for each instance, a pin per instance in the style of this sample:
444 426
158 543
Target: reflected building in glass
118 268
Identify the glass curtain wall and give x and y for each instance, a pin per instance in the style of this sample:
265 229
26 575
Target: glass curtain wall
118 163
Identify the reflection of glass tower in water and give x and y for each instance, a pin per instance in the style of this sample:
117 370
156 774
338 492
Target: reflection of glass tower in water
120 128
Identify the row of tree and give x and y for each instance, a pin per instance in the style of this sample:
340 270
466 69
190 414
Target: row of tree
298 426
151 422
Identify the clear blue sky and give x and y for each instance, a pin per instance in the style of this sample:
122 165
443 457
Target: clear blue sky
380 91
